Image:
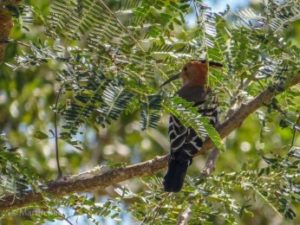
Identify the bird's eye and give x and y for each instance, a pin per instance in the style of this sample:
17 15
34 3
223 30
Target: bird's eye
185 68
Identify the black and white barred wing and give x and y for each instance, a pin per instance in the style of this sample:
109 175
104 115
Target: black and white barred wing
185 141
209 108
177 134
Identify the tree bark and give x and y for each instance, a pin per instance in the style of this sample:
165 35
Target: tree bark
6 24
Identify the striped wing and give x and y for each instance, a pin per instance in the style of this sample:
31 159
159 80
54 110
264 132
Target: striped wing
177 133
184 141
209 108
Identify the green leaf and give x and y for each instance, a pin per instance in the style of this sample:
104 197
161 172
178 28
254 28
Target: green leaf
150 111
40 135
213 133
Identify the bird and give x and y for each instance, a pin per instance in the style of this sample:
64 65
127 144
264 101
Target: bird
184 141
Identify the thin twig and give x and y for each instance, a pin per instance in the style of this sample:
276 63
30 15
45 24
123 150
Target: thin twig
294 130
155 210
210 162
207 171
59 172
24 44
264 198
6 41
64 217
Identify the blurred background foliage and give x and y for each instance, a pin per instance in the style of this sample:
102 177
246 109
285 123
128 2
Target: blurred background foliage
111 56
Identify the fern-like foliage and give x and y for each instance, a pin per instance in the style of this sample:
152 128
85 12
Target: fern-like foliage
87 97
111 56
150 111
15 175
126 39
139 45
134 46
115 100
283 14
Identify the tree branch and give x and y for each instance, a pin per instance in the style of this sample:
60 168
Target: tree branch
184 217
100 180
210 162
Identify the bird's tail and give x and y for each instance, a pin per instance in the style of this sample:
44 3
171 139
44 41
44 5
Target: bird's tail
173 180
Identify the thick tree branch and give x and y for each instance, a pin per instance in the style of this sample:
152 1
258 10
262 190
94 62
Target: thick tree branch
100 180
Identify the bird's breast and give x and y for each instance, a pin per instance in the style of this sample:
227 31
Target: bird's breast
192 94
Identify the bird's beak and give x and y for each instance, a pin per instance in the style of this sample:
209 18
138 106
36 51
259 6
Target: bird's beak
174 77
215 64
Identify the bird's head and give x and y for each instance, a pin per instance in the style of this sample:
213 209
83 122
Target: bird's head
194 73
